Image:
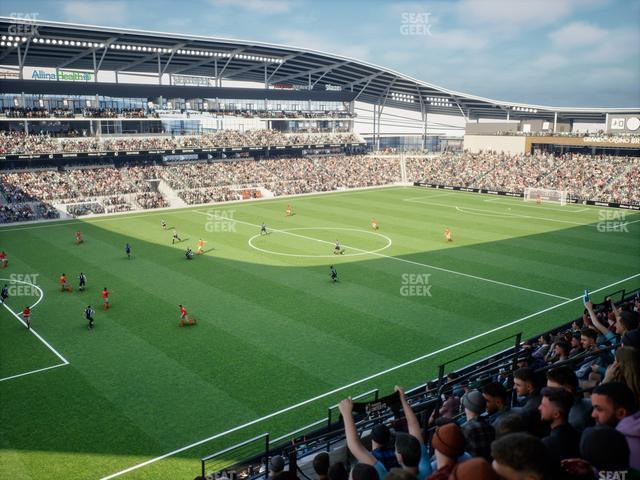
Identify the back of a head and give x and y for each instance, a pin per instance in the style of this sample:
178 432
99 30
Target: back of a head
522 452
564 376
510 422
363 471
338 471
276 464
605 448
448 440
321 463
409 448
619 394
399 474
473 469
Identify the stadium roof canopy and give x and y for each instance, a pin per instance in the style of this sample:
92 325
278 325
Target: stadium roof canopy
27 42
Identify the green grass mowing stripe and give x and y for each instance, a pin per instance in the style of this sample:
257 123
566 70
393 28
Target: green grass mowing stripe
279 412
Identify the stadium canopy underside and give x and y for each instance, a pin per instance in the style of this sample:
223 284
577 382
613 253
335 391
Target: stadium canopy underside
45 44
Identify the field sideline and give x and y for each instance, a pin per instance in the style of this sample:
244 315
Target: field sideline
276 341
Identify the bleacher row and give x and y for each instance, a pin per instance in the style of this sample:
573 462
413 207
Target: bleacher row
562 406
27 195
126 113
17 143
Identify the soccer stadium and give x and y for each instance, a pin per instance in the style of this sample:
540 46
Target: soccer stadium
230 259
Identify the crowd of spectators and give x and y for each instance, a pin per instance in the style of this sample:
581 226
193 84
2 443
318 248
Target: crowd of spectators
18 112
604 178
568 410
21 143
201 181
151 200
80 209
24 212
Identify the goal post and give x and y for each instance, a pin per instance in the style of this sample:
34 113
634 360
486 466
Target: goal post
543 195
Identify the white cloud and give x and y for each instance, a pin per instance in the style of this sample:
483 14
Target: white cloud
577 34
100 12
313 41
507 13
257 6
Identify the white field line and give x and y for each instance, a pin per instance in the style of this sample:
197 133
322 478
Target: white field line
352 384
515 215
504 201
32 371
38 336
399 259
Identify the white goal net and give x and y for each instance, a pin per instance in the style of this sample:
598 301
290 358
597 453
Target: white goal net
542 195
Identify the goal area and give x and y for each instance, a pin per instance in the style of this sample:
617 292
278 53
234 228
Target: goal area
542 195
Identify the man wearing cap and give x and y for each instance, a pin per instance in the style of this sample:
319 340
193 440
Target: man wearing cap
563 440
448 442
477 431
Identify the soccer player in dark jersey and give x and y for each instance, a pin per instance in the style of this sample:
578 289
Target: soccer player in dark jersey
82 279
334 274
263 229
189 254
4 294
127 250
88 314
175 237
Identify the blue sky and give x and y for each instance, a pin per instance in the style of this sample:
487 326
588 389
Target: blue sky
552 52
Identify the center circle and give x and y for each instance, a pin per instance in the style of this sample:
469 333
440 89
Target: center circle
359 253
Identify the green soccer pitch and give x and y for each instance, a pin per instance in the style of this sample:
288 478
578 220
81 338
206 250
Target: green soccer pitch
276 341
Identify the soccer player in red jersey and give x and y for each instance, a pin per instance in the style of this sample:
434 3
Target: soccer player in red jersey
63 283
78 238
3 259
447 234
26 314
184 318
105 298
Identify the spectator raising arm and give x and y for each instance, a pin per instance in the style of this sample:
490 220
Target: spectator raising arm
412 421
353 440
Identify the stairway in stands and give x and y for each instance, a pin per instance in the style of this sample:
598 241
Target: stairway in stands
170 195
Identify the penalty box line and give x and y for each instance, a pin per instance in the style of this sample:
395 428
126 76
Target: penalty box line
355 383
37 335
399 259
